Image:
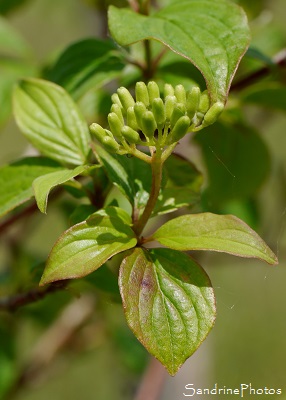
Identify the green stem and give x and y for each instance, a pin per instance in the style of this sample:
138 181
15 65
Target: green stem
148 70
157 167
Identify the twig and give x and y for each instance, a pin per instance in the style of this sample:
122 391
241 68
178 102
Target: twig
52 342
20 215
279 60
12 303
152 383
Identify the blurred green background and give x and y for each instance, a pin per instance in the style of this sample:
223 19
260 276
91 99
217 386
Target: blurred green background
100 359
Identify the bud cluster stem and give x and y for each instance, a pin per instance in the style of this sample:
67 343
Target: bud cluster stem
157 168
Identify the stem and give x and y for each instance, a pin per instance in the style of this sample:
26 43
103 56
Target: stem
157 167
12 303
279 60
152 382
148 70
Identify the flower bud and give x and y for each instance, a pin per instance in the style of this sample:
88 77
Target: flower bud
115 108
139 110
213 113
115 100
115 124
180 129
97 131
130 135
141 93
159 112
131 119
170 102
178 112
153 91
193 100
168 90
204 103
110 144
180 94
125 98
148 124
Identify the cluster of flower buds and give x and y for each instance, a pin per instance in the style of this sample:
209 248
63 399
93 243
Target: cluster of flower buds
148 120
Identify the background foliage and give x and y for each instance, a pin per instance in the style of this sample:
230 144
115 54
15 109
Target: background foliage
244 159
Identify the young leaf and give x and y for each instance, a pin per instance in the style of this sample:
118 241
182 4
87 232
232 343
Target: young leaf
212 35
45 183
16 180
206 231
86 246
50 119
169 303
86 65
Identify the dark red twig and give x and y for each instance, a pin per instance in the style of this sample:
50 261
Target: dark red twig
12 303
279 60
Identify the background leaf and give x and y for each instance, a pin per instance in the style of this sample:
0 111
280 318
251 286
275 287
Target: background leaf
45 183
85 65
237 162
269 95
169 303
16 180
212 35
207 231
86 246
50 119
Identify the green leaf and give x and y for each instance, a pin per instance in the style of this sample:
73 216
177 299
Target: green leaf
16 180
45 183
8 6
269 95
50 119
212 35
85 65
207 231
168 302
86 246
131 175
237 161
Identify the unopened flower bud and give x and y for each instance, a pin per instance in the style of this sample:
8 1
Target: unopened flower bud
97 131
141 93
125 98
130 135
170 102
204 104
178 112
213 113
180 94
115 108
180 129
139 110
110 144
148 124
115 100
159 112
131 119
193 100
115 124
153 91
168 90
